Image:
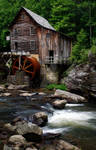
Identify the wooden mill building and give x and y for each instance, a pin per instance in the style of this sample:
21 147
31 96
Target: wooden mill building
32 35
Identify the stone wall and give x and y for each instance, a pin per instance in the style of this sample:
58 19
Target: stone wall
52 73
19 79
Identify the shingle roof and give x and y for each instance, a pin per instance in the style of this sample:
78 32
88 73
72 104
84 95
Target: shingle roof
40 20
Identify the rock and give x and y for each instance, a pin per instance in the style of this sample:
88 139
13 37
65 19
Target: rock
70 97
61 144
42 93
2 88
29 148
23 128
26 94
3 135
29 130
82 79
6 147
59 104
11 87
48 147
17 87
6 94
17 119
12 147
49 136
17 139
40 118
10 127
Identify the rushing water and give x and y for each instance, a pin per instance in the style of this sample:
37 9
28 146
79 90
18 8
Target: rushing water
76 123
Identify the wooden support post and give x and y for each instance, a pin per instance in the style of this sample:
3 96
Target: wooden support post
20 62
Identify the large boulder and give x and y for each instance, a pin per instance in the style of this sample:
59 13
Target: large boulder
59 104
82 80
40 118
70 97
30 131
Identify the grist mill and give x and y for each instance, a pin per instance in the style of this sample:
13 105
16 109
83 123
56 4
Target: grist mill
36 47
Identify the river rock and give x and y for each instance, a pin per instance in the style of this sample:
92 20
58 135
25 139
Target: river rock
17 119
61 144
15 142
6 147
59 104
29 148
70 97
50 136
3 135
30 131
12 147
40 118
10 127
17 139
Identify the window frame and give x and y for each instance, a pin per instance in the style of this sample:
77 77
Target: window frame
32 33
22 16
34 45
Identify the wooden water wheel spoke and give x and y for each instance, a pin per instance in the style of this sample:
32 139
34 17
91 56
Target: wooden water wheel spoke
28 66
24 62
15 67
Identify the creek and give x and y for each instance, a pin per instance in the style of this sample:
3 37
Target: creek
76 123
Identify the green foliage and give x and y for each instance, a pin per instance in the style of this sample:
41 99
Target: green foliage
65 74
63 16
93 48
57 86
79 51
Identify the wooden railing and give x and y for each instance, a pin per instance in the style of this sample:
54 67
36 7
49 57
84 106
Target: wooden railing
56 60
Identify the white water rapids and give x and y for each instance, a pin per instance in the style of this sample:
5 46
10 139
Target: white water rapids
70 117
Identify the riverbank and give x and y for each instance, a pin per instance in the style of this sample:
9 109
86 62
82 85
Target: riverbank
63 123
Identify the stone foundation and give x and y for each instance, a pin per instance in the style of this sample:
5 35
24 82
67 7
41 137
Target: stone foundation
19 79
51 73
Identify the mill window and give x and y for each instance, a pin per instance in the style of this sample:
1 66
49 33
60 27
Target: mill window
15 32
48 35
22 16
33 45
16 46
33 31
51 56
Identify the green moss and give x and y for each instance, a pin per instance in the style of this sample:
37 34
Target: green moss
57 86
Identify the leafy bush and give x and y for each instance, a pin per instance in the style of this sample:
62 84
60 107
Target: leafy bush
79 50
57 86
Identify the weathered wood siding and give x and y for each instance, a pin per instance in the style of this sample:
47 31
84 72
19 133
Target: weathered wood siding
21 37
48 40
64 46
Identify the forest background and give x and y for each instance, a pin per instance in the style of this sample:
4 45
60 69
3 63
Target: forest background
75 18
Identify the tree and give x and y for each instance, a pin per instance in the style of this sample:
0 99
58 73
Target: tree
80 48
63 16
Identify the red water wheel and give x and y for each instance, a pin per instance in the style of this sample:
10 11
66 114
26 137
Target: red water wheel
30 65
